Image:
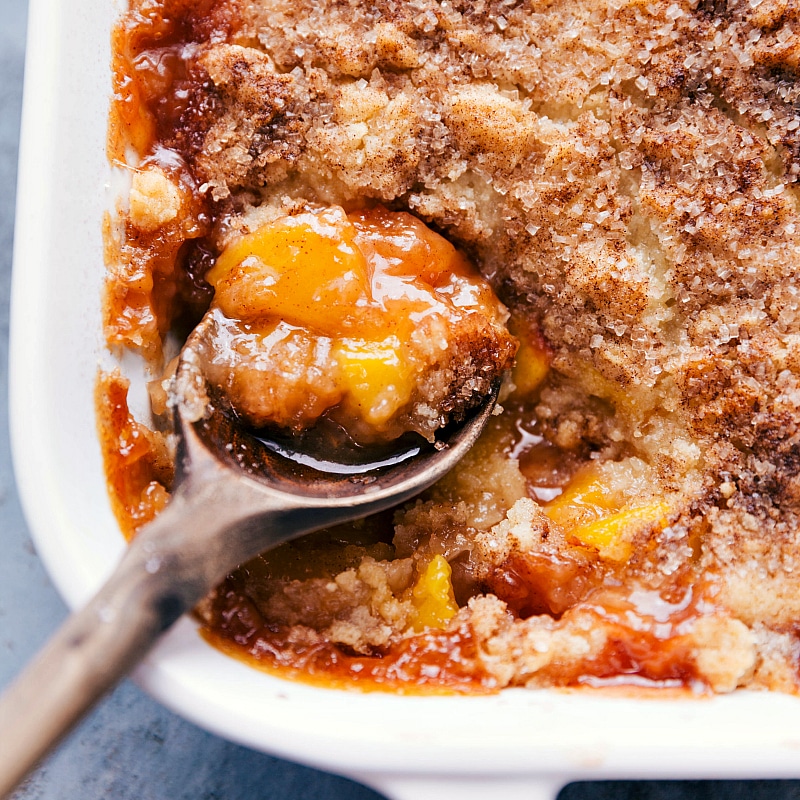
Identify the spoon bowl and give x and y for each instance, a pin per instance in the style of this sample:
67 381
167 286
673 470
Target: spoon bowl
234 497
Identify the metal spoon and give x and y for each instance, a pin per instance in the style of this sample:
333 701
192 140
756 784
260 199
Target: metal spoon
234 498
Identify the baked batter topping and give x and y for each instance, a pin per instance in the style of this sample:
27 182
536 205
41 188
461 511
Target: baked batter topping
625 176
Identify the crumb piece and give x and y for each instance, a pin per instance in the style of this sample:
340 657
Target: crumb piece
724 650
154 199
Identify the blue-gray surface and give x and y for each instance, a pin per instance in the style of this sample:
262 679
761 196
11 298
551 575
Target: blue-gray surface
131 748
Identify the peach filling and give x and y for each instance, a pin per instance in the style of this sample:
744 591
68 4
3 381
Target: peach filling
592 515
369 318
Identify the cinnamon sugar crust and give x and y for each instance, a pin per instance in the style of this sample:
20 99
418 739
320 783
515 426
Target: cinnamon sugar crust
626 175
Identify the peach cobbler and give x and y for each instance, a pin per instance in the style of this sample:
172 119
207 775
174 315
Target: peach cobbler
382 209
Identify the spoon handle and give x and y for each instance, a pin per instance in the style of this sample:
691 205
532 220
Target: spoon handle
94 648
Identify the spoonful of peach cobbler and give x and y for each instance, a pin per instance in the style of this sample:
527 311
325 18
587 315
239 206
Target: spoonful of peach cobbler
347 362
368 320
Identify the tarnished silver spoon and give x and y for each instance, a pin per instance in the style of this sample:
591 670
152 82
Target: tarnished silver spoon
234 497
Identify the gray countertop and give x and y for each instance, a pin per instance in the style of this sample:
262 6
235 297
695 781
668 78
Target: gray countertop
130 747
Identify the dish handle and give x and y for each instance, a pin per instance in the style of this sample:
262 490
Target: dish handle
448 787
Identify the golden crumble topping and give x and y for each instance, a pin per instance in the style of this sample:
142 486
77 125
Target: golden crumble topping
625 174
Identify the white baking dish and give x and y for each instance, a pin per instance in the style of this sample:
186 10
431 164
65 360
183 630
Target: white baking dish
517 742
